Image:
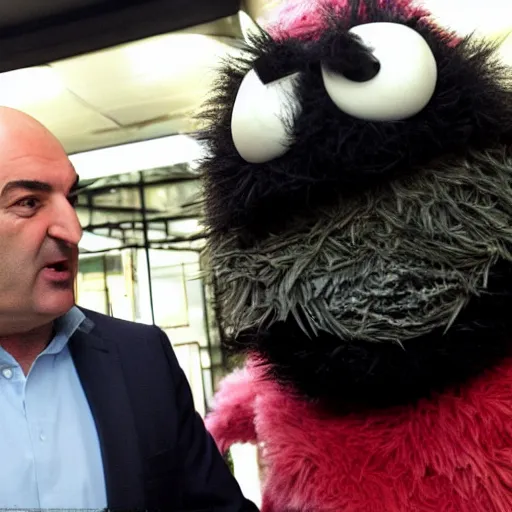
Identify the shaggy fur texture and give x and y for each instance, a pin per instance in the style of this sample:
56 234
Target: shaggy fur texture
299 18
233 419
335 155
449 454
383 267
360 285
344 376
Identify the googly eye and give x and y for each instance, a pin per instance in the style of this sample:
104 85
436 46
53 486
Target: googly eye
262 116
403 84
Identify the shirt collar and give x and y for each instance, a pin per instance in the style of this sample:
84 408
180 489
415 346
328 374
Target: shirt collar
65 327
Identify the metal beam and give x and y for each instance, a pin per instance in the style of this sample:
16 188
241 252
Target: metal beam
92 190
146 242
115 209
131 223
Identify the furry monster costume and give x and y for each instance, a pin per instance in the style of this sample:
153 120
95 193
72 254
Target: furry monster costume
359 205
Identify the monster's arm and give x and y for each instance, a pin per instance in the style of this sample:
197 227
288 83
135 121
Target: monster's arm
231 419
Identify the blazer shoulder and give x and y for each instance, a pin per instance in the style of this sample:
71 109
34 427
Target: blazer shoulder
122 332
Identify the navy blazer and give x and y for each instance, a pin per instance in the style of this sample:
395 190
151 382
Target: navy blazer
156 451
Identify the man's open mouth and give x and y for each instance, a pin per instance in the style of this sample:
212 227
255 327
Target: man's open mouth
59 266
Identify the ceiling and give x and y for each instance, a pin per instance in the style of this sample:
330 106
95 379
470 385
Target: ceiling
127 93
155 86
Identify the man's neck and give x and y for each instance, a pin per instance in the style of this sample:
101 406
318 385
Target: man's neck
25 347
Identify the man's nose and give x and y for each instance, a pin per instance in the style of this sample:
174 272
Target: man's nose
65 225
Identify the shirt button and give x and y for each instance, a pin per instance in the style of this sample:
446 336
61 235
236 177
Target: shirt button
42 436
7 373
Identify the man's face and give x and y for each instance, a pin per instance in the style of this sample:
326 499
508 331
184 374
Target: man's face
39 229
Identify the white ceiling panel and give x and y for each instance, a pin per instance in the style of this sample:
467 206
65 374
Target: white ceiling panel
114 137
50 102
154 110
142 90
171 65
67 112
144 107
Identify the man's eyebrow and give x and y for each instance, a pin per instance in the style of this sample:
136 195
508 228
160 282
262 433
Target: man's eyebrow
32 185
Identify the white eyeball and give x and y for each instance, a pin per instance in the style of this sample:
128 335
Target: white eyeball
403 86
262 116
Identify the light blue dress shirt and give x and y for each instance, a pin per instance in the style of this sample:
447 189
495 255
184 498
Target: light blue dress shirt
49 448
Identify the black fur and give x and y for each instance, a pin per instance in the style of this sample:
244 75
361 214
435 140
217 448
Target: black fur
334 154
349 377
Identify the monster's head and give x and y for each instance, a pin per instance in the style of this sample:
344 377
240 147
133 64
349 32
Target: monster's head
359 202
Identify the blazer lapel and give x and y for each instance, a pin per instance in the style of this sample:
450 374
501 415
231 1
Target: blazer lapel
100 372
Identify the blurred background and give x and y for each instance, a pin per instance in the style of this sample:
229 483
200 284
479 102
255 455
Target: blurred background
119 82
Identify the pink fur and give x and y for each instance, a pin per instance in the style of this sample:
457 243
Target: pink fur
294 19
300 18
232 418
451 454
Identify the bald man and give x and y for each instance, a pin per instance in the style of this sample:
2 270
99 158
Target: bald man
95 412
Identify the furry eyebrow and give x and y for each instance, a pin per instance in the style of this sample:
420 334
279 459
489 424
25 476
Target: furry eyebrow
269 73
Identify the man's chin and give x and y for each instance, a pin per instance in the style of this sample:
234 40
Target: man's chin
55 303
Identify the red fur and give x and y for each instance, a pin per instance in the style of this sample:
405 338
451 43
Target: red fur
301 18
232 418
450 454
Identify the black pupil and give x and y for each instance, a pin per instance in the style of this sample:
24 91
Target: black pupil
366 69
